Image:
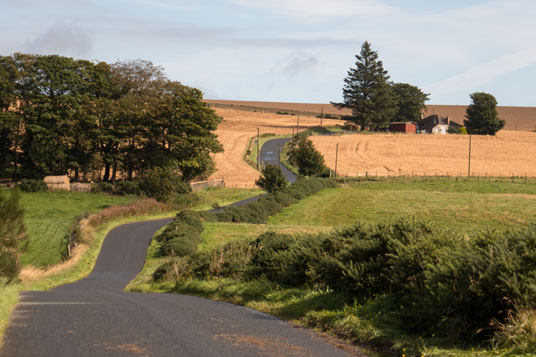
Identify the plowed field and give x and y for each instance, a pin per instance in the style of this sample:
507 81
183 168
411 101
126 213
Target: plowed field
235 132
509 153
517 118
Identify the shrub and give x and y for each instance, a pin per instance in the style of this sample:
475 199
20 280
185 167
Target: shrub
162 184
99 187
191 218
272 179
181 245
482 281
32 185
12 232
127 188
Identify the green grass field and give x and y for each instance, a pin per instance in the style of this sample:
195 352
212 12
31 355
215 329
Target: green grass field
48 216
462 206
459 205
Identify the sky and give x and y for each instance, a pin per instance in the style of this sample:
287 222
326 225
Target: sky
293 50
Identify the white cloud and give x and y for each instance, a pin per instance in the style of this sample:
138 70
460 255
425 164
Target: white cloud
317 8
482 74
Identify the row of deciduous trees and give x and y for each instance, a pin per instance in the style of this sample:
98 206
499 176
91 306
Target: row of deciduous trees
97 120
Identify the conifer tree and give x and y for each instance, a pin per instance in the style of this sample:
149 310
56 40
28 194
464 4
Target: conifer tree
367 91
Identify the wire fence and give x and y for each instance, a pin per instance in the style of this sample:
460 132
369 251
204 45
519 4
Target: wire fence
374 177
203 185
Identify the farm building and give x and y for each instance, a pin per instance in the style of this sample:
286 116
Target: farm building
403 127
434 124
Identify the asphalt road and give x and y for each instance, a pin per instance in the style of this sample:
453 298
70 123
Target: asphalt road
270 155
94 317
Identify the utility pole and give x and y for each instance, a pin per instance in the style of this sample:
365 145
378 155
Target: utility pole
336 159
298 125
469 164
258 148
321 115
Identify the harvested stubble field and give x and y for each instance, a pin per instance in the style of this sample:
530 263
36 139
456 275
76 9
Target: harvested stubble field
517 118
235 132
509 153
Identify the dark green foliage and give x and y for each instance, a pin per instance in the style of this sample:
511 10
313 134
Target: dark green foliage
33 185
434 281
127 188
98 187
192 218
12 232
181 245
162 184
410 102
259 211
182 236
272 179
60 115
367 91
482 116
309 161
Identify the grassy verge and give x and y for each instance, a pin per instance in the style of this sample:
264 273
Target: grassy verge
462 206
48 216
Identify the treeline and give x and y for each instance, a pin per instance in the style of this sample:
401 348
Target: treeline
98 121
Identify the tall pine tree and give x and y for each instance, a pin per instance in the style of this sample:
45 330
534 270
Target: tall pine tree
367 92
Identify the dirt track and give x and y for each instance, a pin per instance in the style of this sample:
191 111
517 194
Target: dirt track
509 153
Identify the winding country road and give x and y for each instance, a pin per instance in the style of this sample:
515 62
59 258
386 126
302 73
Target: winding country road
94 317
270 155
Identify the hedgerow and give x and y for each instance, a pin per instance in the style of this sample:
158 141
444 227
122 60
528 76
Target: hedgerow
438 282
183 235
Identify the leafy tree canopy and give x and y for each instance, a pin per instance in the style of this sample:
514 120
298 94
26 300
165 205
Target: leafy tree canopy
309 161
482 116
410 102
97 121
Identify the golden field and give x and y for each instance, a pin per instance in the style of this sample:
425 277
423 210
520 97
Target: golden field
506 154
235 132
517 118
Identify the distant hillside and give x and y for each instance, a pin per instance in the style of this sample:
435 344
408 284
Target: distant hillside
517 118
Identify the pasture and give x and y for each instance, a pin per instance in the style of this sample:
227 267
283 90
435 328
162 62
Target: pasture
462 206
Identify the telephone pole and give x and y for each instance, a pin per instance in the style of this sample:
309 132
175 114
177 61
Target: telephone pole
336 159
469 164
258 148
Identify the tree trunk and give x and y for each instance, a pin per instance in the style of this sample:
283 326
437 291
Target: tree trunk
106 172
